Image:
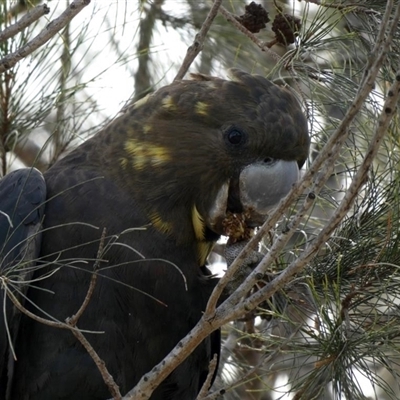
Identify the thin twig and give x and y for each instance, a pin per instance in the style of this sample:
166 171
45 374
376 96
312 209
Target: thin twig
29 18
107 377
28 313
212 366
44 36
198 43
264 361
70 323
74 319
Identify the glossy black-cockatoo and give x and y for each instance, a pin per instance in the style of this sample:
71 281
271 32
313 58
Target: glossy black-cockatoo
161 179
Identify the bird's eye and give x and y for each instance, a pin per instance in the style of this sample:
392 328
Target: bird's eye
269 160
235 136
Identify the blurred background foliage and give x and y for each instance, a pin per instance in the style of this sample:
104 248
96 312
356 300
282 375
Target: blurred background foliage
334 332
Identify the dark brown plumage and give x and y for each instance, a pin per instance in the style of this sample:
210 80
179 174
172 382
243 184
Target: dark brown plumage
160 178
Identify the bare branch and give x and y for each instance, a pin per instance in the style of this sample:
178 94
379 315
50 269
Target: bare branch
107 377
149 382
44 36
29 18
198 43
207 383
74 319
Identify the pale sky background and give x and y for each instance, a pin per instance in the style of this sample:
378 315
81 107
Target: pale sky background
115 86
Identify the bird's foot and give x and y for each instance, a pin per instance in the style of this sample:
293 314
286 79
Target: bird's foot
253 258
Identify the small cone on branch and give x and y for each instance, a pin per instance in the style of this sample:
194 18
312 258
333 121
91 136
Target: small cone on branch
255 18
286 28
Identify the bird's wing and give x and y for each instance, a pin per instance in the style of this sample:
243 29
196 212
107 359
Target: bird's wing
22 202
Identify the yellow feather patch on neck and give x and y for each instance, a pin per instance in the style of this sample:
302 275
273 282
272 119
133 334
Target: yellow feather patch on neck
203 251
161 225
203 247
198 224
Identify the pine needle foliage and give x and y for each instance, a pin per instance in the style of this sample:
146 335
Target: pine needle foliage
333 331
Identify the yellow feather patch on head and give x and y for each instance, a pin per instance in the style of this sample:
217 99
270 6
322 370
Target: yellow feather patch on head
160 224
204 247
201 108
198 224
145 154
169 104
